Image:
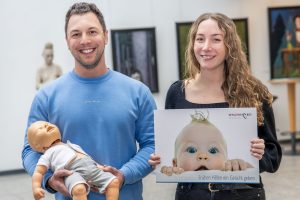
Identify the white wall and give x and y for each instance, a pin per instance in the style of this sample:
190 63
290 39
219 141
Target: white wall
27 25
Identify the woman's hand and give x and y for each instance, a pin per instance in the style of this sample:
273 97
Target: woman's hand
257 148
154 160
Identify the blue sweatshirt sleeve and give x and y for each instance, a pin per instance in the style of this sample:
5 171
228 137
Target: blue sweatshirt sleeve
138 167
29 156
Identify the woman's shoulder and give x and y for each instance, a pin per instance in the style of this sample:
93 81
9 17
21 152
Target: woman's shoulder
177 85
175 94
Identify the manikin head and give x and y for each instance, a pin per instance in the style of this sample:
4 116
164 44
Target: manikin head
200 146
42 135
48 54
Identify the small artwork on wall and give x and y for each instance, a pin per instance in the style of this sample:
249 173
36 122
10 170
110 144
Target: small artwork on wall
48 71
284 31
182 30
242 30
134 54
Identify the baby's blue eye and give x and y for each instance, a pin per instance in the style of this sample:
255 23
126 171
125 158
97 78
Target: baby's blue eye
213 150
191 150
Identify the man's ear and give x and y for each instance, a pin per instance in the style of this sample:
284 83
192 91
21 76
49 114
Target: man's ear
106 36
67 43
174 161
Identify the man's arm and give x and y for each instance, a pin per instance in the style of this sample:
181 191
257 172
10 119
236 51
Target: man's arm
29 156
138 167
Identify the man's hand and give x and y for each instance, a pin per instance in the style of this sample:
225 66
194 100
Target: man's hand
169 171
56 181
236 165
38 193
114 171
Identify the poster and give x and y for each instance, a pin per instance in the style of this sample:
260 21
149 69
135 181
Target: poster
205 145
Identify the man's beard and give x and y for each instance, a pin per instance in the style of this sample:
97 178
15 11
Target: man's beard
91 65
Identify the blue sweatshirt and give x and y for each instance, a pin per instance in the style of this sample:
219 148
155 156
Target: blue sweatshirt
110 117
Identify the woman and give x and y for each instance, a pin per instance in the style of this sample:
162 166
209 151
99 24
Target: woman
218 76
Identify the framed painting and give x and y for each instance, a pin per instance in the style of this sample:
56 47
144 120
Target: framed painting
182 30
284 41
134 54
242 30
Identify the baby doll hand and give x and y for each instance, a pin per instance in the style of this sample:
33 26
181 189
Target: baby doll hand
154 160
171 170
257 148
38 193
236 165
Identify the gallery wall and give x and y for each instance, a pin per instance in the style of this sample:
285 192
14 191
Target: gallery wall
27 25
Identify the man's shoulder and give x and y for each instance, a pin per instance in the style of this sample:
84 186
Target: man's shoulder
126 80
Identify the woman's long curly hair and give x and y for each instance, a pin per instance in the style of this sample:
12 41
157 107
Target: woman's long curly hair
241 89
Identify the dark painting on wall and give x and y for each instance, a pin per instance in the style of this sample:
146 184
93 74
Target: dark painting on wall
284 40
182 30
134 54
242 30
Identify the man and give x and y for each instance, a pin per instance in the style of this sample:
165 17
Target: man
103 111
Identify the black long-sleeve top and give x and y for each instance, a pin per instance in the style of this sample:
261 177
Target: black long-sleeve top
271 159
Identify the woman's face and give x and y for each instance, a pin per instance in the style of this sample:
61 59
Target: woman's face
209 47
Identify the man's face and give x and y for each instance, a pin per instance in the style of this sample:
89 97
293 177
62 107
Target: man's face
86 40
200 147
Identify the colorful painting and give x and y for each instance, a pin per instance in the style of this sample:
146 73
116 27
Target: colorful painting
284 30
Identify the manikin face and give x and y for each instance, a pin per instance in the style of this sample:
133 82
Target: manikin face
209 47
86 40
41 135
48 56
200 147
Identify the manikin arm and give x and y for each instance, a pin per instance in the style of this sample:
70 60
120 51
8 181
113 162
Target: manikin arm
37 179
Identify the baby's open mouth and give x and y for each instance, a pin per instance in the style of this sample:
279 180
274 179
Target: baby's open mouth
201 168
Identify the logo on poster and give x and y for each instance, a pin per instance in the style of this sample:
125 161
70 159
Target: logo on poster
239 115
